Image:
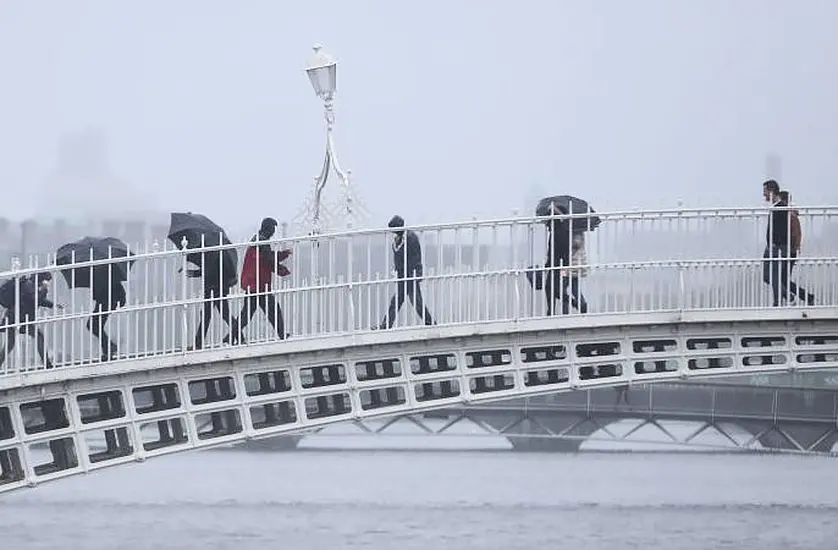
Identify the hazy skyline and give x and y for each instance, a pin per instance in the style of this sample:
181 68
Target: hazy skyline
445 110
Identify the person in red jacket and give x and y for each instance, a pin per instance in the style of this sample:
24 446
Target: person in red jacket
260 264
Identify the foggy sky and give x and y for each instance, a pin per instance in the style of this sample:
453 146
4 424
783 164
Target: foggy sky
445 109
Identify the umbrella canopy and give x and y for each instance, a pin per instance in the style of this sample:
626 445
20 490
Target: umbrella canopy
568 204
93 248
8 293
197 229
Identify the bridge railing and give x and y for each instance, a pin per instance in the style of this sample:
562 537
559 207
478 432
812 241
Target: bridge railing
473 272
700 400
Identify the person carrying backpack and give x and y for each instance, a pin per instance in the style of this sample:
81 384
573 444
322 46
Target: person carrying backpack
795 239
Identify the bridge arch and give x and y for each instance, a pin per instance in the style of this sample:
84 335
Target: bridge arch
150 407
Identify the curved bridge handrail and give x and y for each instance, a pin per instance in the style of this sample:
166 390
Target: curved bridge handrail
148 251
336 289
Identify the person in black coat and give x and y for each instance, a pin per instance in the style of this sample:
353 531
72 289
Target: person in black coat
407 257
556 282
777 262
32 294
219 277
108 294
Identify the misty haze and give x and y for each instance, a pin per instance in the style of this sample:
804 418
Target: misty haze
666 116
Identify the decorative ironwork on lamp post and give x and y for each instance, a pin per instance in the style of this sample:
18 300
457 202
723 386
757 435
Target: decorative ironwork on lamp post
322 72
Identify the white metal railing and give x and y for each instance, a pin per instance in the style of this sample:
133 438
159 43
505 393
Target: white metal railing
679 260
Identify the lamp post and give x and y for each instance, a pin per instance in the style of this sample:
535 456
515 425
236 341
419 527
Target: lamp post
322 73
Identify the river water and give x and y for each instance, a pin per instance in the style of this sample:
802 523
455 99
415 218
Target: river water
313 499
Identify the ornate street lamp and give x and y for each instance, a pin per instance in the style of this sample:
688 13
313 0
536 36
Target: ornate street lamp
322 72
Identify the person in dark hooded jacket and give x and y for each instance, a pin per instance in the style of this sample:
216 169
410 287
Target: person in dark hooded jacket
407 258
261 262
108 294
32 294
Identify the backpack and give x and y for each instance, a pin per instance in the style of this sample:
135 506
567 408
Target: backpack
796 234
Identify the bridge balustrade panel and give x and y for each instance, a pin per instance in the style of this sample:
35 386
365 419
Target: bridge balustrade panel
686 401
474 272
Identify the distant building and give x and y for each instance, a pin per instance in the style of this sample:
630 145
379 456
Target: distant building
82 185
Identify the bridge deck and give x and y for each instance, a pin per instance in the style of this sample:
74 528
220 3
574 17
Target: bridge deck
669 318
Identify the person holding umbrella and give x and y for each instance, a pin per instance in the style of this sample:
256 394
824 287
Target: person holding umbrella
566 258
31 294
217 269
260 264
106 281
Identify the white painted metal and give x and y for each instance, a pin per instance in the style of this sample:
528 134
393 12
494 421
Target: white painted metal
346 211
474 282
764 411
341 284
323 386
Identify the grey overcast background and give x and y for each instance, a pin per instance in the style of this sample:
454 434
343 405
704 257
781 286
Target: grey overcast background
445 109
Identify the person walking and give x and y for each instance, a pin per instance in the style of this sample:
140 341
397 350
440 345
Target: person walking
779 248
261 262
32 294
108 294
218 277
407 259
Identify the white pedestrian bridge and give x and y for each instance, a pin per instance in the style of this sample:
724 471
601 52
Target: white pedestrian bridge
672 295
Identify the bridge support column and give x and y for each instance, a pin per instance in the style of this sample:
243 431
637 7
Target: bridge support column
543 432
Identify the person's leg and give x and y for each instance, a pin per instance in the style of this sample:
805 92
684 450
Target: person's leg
96 323
108 348
11 339
206 317
414 292
271 308
771 273
395 305
40 343
796 291
551 289
576 297
565 294
251 303
223 306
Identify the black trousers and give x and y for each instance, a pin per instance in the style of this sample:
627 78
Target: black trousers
565 288
216 298
96 325
777 266
267 304
407 289
30 330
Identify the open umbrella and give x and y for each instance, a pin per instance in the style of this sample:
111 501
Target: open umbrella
197 229
8 292
93 248
568 204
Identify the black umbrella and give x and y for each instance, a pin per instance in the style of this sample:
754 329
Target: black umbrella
198 229
567 204
8 292
93 248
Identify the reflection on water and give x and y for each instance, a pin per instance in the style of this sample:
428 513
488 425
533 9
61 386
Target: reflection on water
314 499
